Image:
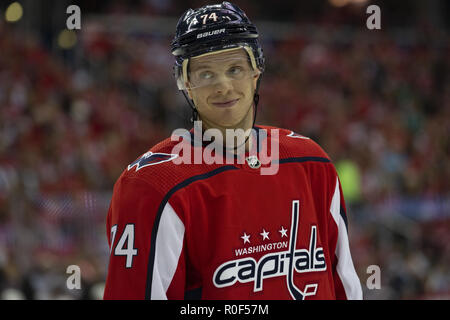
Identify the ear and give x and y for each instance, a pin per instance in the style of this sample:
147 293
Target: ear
255 79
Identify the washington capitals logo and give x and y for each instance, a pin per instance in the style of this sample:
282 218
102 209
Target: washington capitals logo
277 264
296 135
150 159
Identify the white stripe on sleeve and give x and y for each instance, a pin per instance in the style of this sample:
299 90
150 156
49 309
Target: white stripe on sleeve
169 243
345 268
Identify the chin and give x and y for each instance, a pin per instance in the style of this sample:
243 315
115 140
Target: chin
228 125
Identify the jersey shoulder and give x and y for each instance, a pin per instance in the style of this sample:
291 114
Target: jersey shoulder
163 166
293 144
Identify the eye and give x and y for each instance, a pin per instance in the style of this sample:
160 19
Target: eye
235 70
206 75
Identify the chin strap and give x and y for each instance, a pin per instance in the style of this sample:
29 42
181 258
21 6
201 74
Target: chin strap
255 104
191 104
256 99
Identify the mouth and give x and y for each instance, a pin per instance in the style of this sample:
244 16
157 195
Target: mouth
225 104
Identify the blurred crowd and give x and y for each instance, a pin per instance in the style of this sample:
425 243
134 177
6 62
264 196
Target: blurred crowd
69 125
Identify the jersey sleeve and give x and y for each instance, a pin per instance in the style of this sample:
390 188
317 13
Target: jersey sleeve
346 281
146 239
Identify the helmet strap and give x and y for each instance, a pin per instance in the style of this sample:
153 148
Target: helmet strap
193 108
255 105
256 99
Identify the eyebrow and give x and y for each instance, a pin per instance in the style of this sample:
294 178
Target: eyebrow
205 65
200 67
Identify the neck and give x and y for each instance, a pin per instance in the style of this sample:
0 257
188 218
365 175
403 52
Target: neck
238 134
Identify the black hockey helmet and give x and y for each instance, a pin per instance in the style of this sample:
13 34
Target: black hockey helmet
214 28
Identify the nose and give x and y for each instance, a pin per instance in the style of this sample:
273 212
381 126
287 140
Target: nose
223 85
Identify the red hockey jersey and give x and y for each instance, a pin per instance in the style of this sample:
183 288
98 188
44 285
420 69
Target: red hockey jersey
226 231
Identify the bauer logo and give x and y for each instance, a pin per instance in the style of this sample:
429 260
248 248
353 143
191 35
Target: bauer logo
210 33
277 264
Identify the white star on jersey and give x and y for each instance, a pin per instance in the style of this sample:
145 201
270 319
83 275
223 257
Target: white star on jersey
283 232
246 237
265 234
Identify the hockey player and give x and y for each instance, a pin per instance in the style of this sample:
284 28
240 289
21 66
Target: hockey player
181 230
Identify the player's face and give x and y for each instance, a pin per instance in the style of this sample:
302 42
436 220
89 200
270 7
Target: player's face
222 86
